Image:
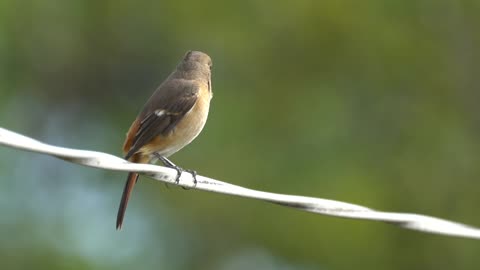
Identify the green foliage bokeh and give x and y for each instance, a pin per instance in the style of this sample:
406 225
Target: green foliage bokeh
369 102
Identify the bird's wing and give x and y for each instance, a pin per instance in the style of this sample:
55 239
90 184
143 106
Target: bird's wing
167 106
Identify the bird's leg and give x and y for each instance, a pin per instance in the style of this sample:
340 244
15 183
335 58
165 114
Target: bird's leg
170 164
179 170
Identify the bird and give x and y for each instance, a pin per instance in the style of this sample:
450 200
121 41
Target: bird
172 118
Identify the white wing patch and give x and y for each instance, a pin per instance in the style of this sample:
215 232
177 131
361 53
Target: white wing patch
159 112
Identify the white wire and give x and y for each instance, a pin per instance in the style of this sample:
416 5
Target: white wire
316 205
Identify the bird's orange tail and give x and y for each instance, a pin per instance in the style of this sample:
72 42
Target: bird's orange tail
127 190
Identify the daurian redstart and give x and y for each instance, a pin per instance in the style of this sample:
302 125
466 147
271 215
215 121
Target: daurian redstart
172 117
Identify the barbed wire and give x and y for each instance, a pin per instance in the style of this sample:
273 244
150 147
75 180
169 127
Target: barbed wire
315 205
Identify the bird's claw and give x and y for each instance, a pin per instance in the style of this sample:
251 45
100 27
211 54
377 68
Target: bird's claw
179 173
194 176
179 170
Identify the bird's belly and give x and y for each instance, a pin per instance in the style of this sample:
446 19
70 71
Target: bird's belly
184 133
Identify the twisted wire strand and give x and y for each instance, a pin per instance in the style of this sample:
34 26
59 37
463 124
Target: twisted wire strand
101 160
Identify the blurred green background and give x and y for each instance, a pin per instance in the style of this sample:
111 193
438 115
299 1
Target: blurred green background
370 102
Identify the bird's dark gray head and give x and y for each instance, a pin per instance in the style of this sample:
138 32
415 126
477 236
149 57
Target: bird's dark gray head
198 57
195 65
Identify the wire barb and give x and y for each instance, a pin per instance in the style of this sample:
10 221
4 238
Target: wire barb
315 205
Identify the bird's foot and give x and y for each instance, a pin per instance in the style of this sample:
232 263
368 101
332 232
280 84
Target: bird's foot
179 170
179 173
194 176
